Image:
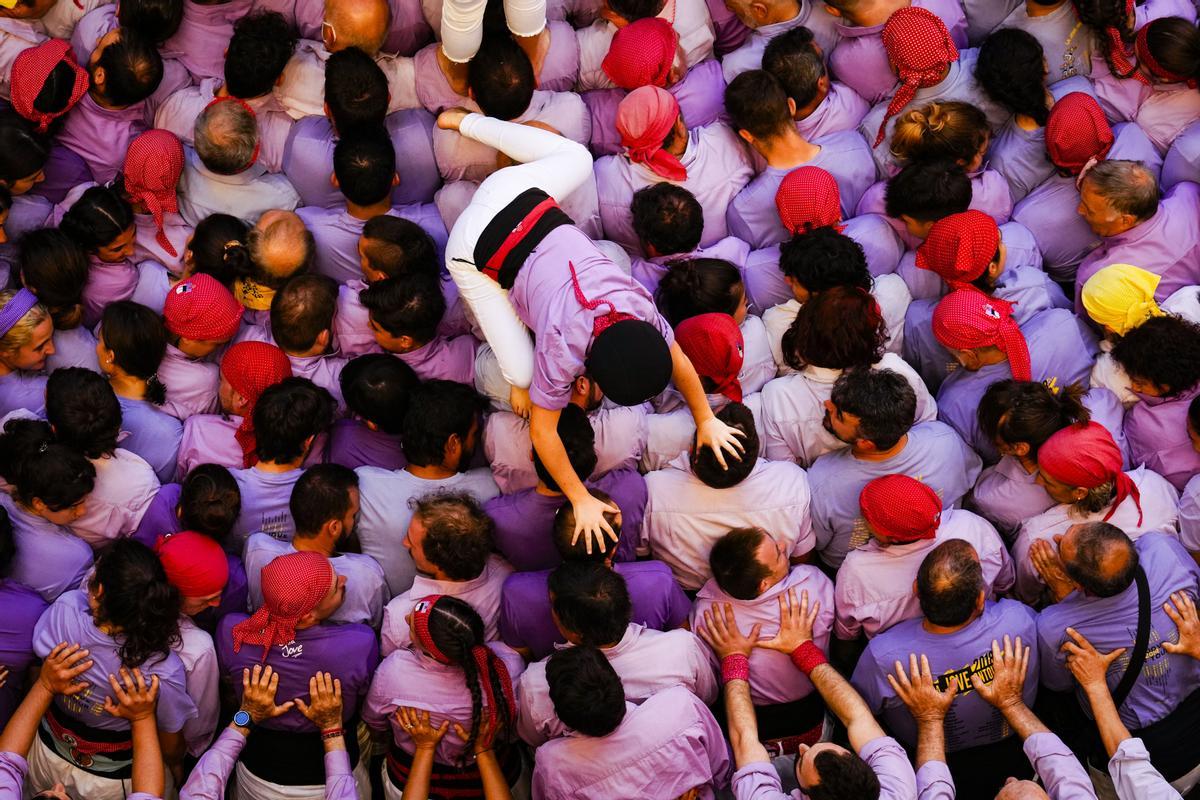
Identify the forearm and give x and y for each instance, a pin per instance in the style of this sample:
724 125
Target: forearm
1022 720
846 704
1108 720
339 778
148 774
743 725
543 431
174 747
495 786
22 726
687 381
212 771
419 774
931 741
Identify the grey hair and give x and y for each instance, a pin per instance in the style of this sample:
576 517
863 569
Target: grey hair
1128 186
280 250
226 136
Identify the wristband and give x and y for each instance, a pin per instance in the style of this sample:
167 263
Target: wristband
332 733
735 667
808 657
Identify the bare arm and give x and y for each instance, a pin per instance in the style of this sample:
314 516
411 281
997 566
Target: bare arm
927 704
136 702
721 632
1005 691
710 432
425 738
1090 669
495 785
62 666
589 511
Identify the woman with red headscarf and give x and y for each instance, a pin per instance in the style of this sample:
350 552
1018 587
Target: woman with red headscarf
153 166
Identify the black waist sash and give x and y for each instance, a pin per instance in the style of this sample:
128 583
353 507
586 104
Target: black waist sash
514 232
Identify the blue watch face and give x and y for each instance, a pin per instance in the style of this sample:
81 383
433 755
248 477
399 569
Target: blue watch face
242 718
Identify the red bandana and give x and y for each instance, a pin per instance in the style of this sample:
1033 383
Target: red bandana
152 169
292 586
29 73
641 54
251 368
713 343
1145 56
807 199
969 320
1077 134
920 47
960 247
1086 456
644 118
901 508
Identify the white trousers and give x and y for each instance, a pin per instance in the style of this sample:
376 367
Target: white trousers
47 768
547 161
462 24
252 787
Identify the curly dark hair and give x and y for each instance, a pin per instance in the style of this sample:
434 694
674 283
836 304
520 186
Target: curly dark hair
459 535
1164 351
136 598
1011 69
839 328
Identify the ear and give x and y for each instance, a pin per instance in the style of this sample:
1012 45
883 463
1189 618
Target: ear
791 107
915 593
833 12
323 339
324 106
746 136
98 77
1021 449
760 11
38 506
371 426
395 179
980 601
823 81
334 181
1078 493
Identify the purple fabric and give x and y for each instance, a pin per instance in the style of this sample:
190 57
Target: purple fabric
22 390
352 444
65 169
153 434
887 759
50 559
22 608
337 234
191 384
1156 428
649 272
200 42
101 136
1183 159
350 652
841 110
208 439
441 358
208 778
730 32
265 498
526 622
107 282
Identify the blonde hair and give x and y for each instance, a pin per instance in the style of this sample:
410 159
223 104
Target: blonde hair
950 130
21 334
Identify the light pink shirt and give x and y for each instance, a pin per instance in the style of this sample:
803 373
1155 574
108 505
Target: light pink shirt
1160 514
203 36
773 678
444 358
16 36
875 583
684 516
482 593
674 432
101 136
647 662
209 439
889 291
1008 495
125 485
841 110
191 385
692 24
179 111
195 649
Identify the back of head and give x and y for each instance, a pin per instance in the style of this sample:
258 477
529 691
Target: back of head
157 20
1012 70
23 152
39 468
54 267
287 415
704 461
949 583
226 137
883 400
411 304
138 600
133 69
563 532
138 341
694 286
578 439
357 23
302 310
356 91
377 388
364 163
667 217
633 10
1104 560
941 131
219 248
843 775
591 601
1128 186
792 58
1170 48
321 494
84 411
586 691
757 104
823 259
438 410
1029 412
261 45
501 78
100 215
459 535
1105 17
928 191
280 246
209 501
735 565
839 328
1164 351
395 246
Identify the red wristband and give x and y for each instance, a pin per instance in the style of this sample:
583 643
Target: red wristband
331 733
808 657
735 667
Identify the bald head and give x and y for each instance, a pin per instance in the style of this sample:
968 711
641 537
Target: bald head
1099 557
950 583
356 23
226 137
1022 790
280 247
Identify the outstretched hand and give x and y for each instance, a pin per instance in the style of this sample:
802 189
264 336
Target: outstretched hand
918 691
1010 664
1087 664
591 524
724 440
324 706
796 620
136 698
720 630
1182 611
60 669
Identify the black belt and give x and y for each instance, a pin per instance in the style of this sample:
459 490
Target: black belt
513 234
293 759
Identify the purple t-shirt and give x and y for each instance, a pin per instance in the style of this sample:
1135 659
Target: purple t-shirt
952 657
526 622
350 652
265 505
352 444
22 609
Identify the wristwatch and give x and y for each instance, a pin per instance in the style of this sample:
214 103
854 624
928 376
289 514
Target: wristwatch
242 719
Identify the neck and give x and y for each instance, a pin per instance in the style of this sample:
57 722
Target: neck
1035 9
803 113
784 12
127 386
1028 464
879 455
100 101
546 491
788 150
279 466
877 13
945 629
313 544
5 369
431 472
678 146
368 212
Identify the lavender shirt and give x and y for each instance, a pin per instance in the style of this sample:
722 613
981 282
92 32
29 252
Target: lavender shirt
125 485
153 434
1006 494
101 136
885 756
73 347
1156 429
647 662
352 326
526 621
1111 622
1061 349
348 651
337 234
861 61
524 520
200 42
934 454
953 657
265 499
649 272
718 166
107 282
308 159
209 439
773 678
841 110
752 215
246 195
1057 768
665 747
352 444
50 559
23 607
441 358
1183 158
70 620
812 16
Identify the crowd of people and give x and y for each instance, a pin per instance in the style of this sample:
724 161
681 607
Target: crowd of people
599 399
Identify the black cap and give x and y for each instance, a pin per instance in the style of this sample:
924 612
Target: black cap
630 361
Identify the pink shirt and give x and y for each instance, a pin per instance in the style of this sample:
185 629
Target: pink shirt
718 166
482 593
1160 513
16 36
684 516
666 747
875 583
125 485
191 385
841 110
650 271
200 42
1007 495
812 15
101 136
352 325
444 358
1156 430
337 233
107 282
647 662
209 439
692 24
178 115
773 678
408 32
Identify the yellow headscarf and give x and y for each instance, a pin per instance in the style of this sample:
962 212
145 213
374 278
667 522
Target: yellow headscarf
1121 297
253 296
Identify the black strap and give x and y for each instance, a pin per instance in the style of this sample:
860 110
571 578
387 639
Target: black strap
1138 657
506 223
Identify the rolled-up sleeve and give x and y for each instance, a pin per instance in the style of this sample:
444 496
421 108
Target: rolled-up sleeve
934 781
1061 773
1135 777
